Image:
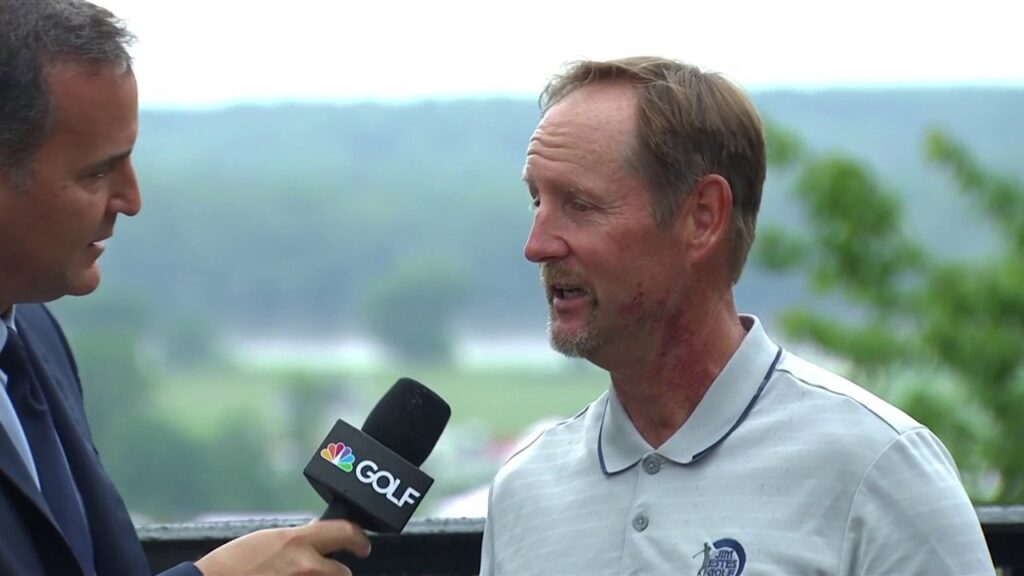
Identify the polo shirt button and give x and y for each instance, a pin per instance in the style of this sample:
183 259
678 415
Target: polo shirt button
652 464
640 522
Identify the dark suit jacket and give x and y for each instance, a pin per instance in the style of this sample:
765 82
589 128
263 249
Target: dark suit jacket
30 543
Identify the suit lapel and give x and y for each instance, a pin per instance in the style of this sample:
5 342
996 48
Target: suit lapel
13 468
66 430
115 544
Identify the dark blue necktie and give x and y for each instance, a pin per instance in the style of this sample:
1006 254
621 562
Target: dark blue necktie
55 479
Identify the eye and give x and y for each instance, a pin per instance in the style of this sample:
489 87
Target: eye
534 204
101 172
580 206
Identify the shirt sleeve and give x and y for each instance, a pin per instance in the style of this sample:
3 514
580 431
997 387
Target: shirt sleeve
487 551
912 516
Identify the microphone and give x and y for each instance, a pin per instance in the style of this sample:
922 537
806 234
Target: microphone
372 476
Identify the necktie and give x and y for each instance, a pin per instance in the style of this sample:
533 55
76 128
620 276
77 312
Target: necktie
55 479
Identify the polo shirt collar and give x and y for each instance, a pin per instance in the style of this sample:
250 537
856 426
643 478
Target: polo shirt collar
723 408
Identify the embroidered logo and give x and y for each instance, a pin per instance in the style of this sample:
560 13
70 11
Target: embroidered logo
724 557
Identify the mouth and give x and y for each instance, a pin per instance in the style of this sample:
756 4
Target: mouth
101 243
564 287
564 292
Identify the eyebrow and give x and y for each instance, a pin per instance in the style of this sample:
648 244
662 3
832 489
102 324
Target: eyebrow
530 185
108 161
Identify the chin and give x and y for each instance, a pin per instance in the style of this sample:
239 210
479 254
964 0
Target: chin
84 284
574 344
566 348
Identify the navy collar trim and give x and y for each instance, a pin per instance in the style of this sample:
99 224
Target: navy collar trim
743 416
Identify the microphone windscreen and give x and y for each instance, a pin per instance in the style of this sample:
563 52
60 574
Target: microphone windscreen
409 420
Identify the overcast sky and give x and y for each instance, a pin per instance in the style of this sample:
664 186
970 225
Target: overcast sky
215 52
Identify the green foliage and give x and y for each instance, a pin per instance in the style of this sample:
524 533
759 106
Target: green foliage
855 234
999 196
189 340
105 333
784 148
411 307
221 439
159 470
949 332
163 469
871 345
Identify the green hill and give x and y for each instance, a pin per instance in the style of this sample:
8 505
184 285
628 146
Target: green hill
285 216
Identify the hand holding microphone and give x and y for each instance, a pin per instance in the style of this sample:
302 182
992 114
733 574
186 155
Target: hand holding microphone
285 551
370 477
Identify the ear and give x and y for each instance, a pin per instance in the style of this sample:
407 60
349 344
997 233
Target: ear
708 214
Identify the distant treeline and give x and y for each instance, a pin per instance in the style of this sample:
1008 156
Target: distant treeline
290 218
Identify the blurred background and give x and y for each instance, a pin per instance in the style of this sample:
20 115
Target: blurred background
332 200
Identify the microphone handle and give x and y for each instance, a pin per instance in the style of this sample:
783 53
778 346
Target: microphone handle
338 509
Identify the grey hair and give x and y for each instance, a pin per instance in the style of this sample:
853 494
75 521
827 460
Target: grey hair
35 34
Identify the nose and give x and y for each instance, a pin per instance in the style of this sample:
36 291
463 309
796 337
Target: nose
545 243
126 198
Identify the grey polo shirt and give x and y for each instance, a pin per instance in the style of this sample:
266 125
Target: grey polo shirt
783 468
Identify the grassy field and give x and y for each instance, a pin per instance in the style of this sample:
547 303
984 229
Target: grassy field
502 400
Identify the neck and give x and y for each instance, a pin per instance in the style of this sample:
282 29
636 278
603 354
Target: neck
662 386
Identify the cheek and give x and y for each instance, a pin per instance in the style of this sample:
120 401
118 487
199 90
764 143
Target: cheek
633 305
641 299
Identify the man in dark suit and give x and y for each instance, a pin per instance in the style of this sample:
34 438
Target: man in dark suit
68 123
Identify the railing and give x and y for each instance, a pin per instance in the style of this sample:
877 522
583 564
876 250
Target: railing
452 547
1004 531
425 548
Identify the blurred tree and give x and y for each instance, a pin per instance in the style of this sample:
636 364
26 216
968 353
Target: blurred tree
411 307
105 332
310 401
940 338
152 463
240 475
189 341
163 471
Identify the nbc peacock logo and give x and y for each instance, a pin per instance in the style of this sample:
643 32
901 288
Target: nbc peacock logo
339 455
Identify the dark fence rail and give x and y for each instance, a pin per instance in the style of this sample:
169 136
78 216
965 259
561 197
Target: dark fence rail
452 547
1004 531
439 547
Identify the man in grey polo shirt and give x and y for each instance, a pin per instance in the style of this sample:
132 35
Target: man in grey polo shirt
714 452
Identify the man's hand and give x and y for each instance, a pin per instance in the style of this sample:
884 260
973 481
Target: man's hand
288 551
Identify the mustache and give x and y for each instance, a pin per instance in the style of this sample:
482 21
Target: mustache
558 274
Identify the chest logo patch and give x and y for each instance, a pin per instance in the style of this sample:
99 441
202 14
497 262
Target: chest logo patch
724 557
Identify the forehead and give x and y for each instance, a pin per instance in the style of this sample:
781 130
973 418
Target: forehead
92 97
597 120
608 106
94 115
586 136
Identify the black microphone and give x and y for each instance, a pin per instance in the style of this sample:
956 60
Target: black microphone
372 476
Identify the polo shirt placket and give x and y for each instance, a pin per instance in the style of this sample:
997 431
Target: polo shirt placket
650 541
